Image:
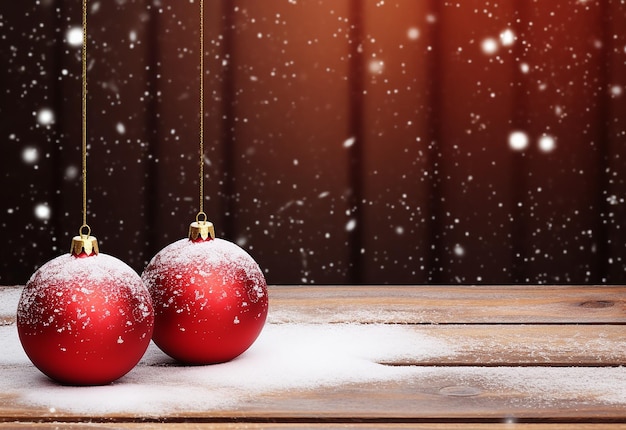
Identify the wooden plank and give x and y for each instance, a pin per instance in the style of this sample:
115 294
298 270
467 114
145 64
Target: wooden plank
615 126
396 146
310 425
29 119
431 394
473 161
564 237
484 344
9 298
473 374
431 304
448 304
289 125
117 126
522 345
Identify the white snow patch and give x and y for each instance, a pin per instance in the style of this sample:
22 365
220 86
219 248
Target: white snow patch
285 357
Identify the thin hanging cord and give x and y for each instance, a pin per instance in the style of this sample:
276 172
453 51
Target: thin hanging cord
202 109
84 119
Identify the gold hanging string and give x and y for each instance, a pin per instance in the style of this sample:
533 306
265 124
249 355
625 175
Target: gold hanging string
84 226
202 109
201 229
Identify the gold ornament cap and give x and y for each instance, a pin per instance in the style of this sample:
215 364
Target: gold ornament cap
84 243
201 229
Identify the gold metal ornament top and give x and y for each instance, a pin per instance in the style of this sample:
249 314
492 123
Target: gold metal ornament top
84 242
201 229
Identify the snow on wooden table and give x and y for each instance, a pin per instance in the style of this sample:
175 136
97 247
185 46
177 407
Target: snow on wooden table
369 355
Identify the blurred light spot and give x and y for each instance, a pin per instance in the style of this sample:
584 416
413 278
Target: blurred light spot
351 225
42 211
45 116
121 128
489 46
74 36
510 420
558 111
349 142
413 33
524 68
30 155
507 37
71 172
376 66
616 91
399 230
547 143
458 250
518 140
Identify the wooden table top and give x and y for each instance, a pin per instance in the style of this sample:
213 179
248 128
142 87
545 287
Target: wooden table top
424 357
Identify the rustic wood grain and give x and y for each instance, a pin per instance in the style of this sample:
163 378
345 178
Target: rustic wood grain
448 395
449 304
270 426
439 304
524 345
538 357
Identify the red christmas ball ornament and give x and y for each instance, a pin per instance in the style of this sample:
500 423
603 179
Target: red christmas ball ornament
209 296
85 318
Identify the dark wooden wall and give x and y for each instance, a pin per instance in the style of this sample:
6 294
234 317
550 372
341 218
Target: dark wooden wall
347 141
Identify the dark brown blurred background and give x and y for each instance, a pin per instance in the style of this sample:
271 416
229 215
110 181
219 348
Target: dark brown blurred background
348 141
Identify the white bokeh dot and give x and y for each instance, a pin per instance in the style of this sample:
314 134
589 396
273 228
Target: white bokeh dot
507 37
413 33
45 116
518 140
547 143
349 142
74 36
376 66
71 172
489 46
42 211
30 155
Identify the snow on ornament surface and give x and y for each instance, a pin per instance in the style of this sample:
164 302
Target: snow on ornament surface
85 320
210 300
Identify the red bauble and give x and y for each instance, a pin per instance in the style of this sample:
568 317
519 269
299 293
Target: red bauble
85 320
210 300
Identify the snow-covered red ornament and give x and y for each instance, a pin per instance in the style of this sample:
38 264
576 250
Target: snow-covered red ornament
85 318
209 296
